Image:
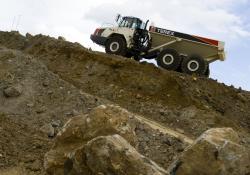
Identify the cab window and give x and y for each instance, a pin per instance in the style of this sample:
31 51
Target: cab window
132 23
126 22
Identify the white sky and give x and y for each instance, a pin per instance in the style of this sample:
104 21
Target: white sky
226 20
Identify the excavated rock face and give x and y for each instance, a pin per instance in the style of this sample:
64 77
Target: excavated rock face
114 155
60 80
108 155
102 121
217 151
141 88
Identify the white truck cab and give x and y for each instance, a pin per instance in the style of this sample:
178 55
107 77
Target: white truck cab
129 37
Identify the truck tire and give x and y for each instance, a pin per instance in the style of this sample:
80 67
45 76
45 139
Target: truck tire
207 73
169 59
194 65
116 45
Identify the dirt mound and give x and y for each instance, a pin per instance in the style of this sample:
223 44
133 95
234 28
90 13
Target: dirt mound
44 99
19 142
44 103
168 97
45 82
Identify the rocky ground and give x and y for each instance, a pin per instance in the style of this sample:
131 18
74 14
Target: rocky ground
44 82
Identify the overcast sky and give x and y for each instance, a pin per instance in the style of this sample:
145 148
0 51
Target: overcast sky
226 20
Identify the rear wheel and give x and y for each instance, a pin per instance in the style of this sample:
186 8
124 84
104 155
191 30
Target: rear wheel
169 59
117 46
207 73
194 65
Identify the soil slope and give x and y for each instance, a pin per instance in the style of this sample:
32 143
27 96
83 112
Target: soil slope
60 79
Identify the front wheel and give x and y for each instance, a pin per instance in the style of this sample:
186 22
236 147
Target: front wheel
194 65
116 46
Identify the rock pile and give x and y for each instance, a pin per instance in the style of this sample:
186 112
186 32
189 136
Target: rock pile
104 142
79 131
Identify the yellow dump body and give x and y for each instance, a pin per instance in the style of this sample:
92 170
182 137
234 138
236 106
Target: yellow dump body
210 50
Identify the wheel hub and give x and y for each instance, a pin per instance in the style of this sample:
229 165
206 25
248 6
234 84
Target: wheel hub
114 46
168 59
193 65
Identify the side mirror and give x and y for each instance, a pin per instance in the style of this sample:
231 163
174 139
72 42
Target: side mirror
146 24
118 17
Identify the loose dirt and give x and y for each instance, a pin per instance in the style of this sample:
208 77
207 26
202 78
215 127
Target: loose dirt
60 80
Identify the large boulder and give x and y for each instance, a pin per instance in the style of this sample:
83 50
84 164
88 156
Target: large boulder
216 152
114 155
102 121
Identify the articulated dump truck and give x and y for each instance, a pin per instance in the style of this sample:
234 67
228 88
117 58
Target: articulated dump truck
172 50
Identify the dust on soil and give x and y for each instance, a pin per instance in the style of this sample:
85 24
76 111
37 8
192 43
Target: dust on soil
61 79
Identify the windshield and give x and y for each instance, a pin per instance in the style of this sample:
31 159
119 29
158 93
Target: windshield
130 22
126 22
